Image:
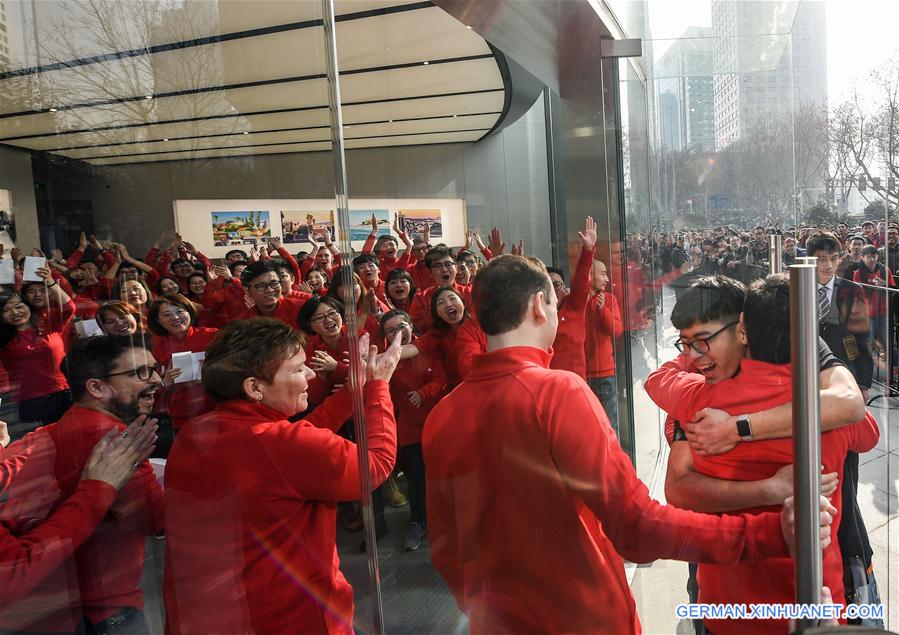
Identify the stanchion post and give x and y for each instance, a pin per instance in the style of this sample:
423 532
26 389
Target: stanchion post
775 253
806 430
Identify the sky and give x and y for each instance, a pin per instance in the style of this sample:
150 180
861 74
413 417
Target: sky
860 34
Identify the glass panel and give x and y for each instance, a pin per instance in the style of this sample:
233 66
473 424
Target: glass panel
151 150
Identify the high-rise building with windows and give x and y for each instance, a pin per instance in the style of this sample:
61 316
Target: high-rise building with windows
5 51
766 63
686 91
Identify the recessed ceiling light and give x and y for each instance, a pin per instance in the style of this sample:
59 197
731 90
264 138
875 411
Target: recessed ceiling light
53 110
165 139
246 132
454 116
148 96
390 121
425 63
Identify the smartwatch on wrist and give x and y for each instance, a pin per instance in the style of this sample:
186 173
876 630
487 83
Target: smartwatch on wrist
744 430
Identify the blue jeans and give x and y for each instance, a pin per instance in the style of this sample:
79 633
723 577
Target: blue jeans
606 390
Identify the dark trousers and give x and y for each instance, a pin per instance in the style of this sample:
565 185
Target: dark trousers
125 622
413 463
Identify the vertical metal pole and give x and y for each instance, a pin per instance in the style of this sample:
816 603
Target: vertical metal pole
806 431
775 253
356 379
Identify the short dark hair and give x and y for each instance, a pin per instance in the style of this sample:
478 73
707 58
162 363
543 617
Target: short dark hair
240 252
256 269
282 265
503 289
196 274
868 222
247 348
392 313
180 261
304 318
94 358
237 263
175 299
436 254
343 277
869 250
362 259
462 254
822 242
766 315
556 271
709 299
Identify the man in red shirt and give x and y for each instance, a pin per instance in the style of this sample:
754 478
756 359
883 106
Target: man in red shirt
528 515
568 348
764 381
263 286
369 271
603 327
27 559
113 379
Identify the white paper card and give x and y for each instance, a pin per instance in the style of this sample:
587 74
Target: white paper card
32 264
7 271
191 365
88 328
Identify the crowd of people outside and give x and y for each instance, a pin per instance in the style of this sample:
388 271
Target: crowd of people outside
236 374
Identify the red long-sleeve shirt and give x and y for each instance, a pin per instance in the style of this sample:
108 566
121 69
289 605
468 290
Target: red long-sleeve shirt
288 310
877 300
226 303
603 326
532 486
27 559
421 275
426 374
106 570
759 386
568 346
470 341
186 400
251 511
32 357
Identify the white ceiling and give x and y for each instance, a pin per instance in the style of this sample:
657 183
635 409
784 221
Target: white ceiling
410 75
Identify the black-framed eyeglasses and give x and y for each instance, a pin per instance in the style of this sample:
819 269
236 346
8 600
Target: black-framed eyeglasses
701 344
402 326
143 373
446 264
332 315
274 285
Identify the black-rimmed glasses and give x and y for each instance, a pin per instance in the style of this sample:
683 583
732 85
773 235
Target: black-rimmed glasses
274 285
143 373
332 315
701 344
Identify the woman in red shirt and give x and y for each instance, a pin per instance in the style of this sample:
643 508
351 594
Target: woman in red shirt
32 347
251 497
136 293
322 319
417 385
120 318
317 279
400 289
171 319
448 313
368 307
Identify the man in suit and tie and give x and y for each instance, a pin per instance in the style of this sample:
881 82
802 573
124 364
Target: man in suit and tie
841 307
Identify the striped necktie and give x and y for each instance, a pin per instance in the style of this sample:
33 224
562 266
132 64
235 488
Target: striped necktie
823 304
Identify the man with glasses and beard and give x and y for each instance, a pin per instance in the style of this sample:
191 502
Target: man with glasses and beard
113 380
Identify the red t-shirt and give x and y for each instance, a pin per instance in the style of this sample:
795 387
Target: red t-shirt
251 503
470 341
528 483
226 303
32 358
